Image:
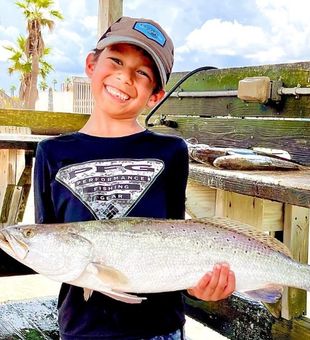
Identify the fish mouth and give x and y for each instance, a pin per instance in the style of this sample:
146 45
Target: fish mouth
4 244
13 246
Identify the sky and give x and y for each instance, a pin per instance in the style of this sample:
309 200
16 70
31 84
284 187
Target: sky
220 33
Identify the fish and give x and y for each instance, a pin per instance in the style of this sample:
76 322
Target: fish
123 257
254 162
240 158
206 154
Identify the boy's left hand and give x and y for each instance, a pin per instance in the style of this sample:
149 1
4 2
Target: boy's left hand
215 285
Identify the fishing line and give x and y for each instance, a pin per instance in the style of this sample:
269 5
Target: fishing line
168 94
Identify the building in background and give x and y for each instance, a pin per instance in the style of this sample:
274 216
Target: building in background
75 96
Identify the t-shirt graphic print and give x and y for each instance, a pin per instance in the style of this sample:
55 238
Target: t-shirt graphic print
110 188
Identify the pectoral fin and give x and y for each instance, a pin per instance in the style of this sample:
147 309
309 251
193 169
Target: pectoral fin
108 275
87 293
119 296
106 280
124 297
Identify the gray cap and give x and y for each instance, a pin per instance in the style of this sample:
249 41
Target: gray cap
146 34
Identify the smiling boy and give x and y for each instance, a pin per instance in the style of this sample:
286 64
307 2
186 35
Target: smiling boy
114 167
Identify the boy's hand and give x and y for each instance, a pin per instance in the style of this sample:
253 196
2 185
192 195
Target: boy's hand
215 285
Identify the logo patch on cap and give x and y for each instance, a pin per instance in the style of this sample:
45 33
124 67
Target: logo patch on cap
151 32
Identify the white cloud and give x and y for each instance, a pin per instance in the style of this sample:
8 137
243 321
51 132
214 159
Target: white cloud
224 38
282 35
90 23
73 10
135 4
9 31
290 26
4 53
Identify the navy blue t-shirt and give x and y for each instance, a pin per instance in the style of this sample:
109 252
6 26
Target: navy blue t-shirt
79 177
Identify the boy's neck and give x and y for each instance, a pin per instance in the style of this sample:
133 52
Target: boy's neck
102 126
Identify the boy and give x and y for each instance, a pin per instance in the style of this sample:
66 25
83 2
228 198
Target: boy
113 167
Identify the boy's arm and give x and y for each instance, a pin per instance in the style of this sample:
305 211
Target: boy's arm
177 183
44 208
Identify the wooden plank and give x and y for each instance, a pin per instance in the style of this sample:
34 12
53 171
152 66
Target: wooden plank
11 204
4 157
292 136
108 12
43 122
20 141
15 178
297 329
291 187
200 200
16 196
262 214
291 75
296 235
234 107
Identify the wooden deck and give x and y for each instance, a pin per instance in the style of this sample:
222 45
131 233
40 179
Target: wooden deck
292 187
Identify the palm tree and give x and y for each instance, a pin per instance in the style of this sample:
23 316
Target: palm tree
12 89
34 11
54 81
68 84
21 63
43 85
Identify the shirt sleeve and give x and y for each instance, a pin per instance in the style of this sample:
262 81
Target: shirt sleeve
43 203
177 182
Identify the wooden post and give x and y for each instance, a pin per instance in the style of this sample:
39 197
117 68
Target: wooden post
108 12
200 200
263 214
15 179
296 235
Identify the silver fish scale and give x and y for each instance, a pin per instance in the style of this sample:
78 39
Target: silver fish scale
172 255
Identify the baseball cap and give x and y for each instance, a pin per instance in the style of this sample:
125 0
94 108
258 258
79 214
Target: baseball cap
146 34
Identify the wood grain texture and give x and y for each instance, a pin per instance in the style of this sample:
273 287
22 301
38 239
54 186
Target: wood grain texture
292 136
291 187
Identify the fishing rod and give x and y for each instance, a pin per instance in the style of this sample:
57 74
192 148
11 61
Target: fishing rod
168 94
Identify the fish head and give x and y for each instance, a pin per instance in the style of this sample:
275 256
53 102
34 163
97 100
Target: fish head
54 252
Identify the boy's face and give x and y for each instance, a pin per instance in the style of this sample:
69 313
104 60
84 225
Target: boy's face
122 81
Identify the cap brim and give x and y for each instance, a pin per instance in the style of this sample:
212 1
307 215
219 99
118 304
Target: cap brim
119 39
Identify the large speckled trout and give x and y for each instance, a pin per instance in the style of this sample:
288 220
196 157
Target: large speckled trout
137 255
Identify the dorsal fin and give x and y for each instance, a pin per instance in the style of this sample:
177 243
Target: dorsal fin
249 231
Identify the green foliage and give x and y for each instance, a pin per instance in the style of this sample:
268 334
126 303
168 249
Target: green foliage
21 63
28 58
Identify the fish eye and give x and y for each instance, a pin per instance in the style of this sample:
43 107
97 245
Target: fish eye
28 233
